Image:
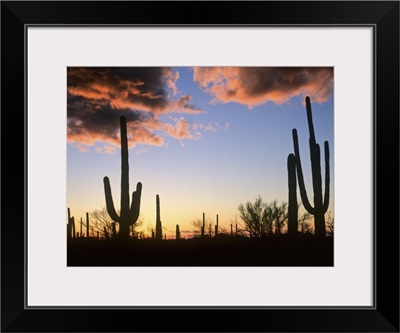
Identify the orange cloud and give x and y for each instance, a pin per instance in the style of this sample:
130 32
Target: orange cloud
87 129
170 80
180 131
137 88
98 96
182 105
253 86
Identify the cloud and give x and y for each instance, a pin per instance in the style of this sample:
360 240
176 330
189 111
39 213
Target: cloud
170 80
91 121
210 127
98 96
253 86
137 88
106 149
125 87
182 105
180 130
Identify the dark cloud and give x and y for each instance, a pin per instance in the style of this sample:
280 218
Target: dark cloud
91 121
136 87
256 85
98 96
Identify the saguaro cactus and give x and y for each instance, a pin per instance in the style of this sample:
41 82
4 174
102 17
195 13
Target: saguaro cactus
87 225
106 235
114 230
320 205
292 206
177 233
158 221
70 226
73 227
128 215
203 226
216 227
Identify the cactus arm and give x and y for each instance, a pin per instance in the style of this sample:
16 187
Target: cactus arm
292 203
135 205
300 178
316 173
109 200
327 177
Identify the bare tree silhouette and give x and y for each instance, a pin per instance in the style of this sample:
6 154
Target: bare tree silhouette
101 221
204 226
263 219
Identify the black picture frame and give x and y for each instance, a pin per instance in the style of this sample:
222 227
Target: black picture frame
383 316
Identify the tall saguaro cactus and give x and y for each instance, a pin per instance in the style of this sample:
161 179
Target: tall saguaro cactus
292 205
320 204
216 227
177 232
129 214
158 219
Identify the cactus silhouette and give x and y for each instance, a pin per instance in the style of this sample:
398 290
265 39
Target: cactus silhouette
87 225
177 233
158 221
320 204
292 205
114 230
203 226
106 235
71 226
128 215
216 227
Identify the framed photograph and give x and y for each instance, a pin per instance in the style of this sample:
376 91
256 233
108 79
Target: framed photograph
236 169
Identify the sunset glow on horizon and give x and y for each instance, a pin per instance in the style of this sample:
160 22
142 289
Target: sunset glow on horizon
205 139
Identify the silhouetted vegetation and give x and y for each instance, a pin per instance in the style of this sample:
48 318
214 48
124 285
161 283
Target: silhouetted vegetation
70 226
129 213
203 226
320 206
263 219
216 251
269 234
292 204
158 219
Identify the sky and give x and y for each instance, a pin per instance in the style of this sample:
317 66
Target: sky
205 139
